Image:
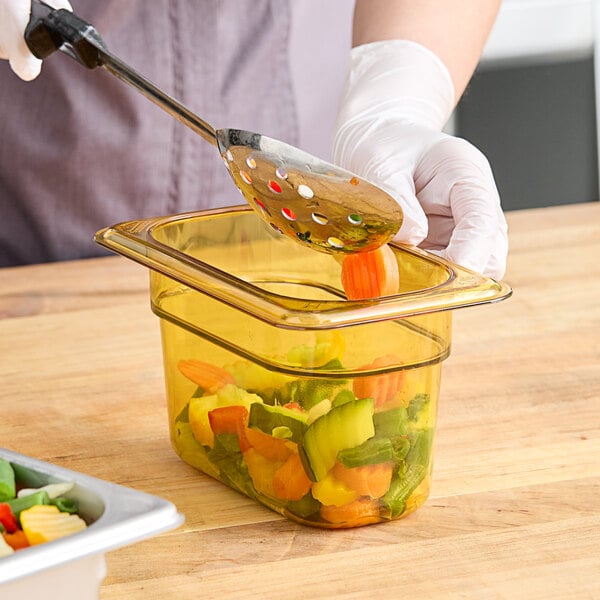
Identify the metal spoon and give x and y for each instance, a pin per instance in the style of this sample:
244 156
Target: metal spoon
314 202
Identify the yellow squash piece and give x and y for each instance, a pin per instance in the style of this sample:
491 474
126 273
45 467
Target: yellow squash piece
44 523
332 492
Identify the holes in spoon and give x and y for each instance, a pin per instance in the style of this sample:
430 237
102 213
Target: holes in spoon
274 186
305 191
289 214
251 162
355 219
335 242
281 173
261 205
245 177
319 219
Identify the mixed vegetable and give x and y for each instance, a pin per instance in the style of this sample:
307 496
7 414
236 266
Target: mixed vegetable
30 516
337 452
329 447
370 274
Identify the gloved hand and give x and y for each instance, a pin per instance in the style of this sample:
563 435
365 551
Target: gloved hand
396 101
14 16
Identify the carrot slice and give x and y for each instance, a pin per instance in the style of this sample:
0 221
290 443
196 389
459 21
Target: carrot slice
262 471
354 514
368 480
382 388
206 375
16 540
290 481
227 419
230 419
370 274
268 446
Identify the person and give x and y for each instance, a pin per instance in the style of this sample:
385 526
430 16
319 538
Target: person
80 150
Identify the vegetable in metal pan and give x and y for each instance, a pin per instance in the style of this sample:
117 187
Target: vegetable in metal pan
30 516
7 481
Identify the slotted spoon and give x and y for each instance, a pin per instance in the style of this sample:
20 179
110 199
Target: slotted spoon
314 202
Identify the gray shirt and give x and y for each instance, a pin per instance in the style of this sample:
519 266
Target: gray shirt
80 150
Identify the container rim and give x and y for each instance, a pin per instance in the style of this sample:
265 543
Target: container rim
136 241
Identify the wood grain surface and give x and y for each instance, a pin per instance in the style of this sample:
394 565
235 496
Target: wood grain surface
515 506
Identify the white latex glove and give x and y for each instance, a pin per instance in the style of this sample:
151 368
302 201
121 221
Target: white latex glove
397 98
14 16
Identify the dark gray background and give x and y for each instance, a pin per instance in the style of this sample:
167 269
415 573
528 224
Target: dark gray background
537 126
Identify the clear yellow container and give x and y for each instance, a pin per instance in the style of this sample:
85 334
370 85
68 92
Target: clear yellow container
320 408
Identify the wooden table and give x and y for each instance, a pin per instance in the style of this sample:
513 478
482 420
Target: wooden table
515 506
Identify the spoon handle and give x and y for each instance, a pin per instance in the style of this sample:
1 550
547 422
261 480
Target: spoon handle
49 30
118 68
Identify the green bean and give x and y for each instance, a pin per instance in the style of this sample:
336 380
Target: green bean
401 488
7 481
66 505
420 451
20 504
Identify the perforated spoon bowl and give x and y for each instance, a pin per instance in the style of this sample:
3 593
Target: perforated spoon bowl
310 200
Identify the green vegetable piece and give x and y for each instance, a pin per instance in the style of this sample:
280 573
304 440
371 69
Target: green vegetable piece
310 391
198 393
192 451
184 415
419 403
344 426
66 505
306 463
282 432
401 488
7 481
371 452
227 456
401 446
226 444
17 505
343 397
267 418
391 423
305 507
421 443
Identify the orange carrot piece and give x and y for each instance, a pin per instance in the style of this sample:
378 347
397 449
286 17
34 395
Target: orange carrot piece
230 419
381 388
17 540
290 481
268 446
262 471
206 375
227 419
370 274
368 480
354 514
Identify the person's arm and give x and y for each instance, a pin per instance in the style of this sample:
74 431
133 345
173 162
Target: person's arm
410 63
454 30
